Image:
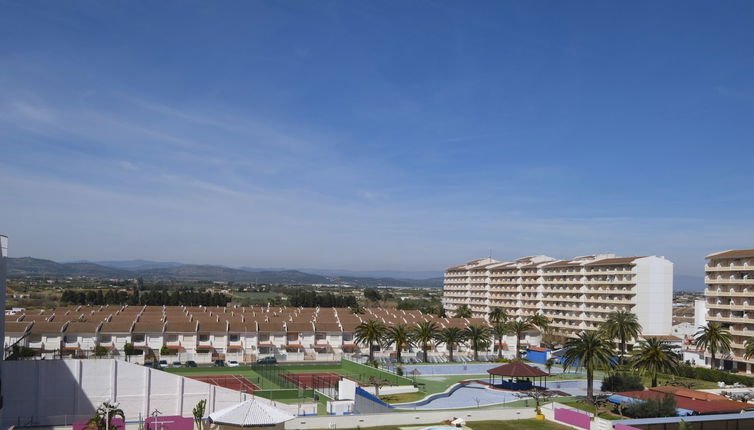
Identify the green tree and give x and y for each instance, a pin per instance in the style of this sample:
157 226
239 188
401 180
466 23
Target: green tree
372 295
100 351
518 328
499 330
498 315
540 321
424 333
592 351
370 333
478 337
463 311
129 350
654 356
164 350
199 413
714 339
621 325
451 337
400 335
548 364
103 417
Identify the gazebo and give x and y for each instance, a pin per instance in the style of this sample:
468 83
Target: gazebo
251 413
519 370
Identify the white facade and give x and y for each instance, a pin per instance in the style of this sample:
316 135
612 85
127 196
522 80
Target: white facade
575 294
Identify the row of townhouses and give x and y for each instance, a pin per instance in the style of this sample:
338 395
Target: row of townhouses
576 294
204 334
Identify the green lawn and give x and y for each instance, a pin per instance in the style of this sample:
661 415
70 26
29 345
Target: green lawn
268 380
498 425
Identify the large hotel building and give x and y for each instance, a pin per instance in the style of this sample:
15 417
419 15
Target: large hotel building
576 294
730 300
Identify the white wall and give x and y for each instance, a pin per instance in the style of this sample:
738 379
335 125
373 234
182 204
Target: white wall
57 392
700 313
654 298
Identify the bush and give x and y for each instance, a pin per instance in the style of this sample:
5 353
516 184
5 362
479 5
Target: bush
622 382
100 351
714 375
652 408
164 350
501 360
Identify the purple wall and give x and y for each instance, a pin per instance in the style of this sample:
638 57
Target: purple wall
569 416
169 422
117 424
624 427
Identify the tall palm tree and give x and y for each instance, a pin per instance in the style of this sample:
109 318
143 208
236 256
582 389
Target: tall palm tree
713 338
540 321
479 337
592 351
451 337
621 325
370 332
424 333
463 311
499 330
498 315
399 335
518 328
749 345
655 356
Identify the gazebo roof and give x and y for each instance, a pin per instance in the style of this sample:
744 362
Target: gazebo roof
250 413
517 369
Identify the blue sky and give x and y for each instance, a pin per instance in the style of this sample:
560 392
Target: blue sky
376 135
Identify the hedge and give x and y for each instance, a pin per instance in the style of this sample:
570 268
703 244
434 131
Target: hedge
714 375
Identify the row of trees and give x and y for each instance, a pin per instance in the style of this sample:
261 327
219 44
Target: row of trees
312 299
426 334
151 298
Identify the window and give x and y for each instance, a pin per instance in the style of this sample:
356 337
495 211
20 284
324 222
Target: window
171 338
138 338
105 338
69 339
234 337
203 338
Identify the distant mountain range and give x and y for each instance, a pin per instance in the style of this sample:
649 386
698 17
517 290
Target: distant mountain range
170 271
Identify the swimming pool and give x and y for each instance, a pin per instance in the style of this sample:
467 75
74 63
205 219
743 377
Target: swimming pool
463 369
468 395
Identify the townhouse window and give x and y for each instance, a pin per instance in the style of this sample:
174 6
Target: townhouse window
35 338
69 339
203 338
234 337
171 338
138 338
105 338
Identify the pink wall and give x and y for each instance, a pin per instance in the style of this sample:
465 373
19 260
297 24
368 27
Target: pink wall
569 416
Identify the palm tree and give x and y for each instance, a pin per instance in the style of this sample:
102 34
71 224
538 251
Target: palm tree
592 351
463 311
749 345
479 337
498 315
622 325
370 332
540 321
713 338
424 333
548 364
399 335
499 330
518 327
451 337
103 417
655 356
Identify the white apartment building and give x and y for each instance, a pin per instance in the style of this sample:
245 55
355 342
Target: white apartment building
730 301
576 294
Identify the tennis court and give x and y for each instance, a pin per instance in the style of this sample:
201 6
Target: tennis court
313 380
234 382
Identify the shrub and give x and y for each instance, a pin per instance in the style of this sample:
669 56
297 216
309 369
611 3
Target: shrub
501 360
665 407
714 375
622 382
164 350
100 351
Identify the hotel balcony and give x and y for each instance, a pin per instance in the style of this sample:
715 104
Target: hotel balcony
729 268
561 308
728 293
714 281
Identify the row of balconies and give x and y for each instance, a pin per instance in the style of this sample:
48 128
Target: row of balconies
733 266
